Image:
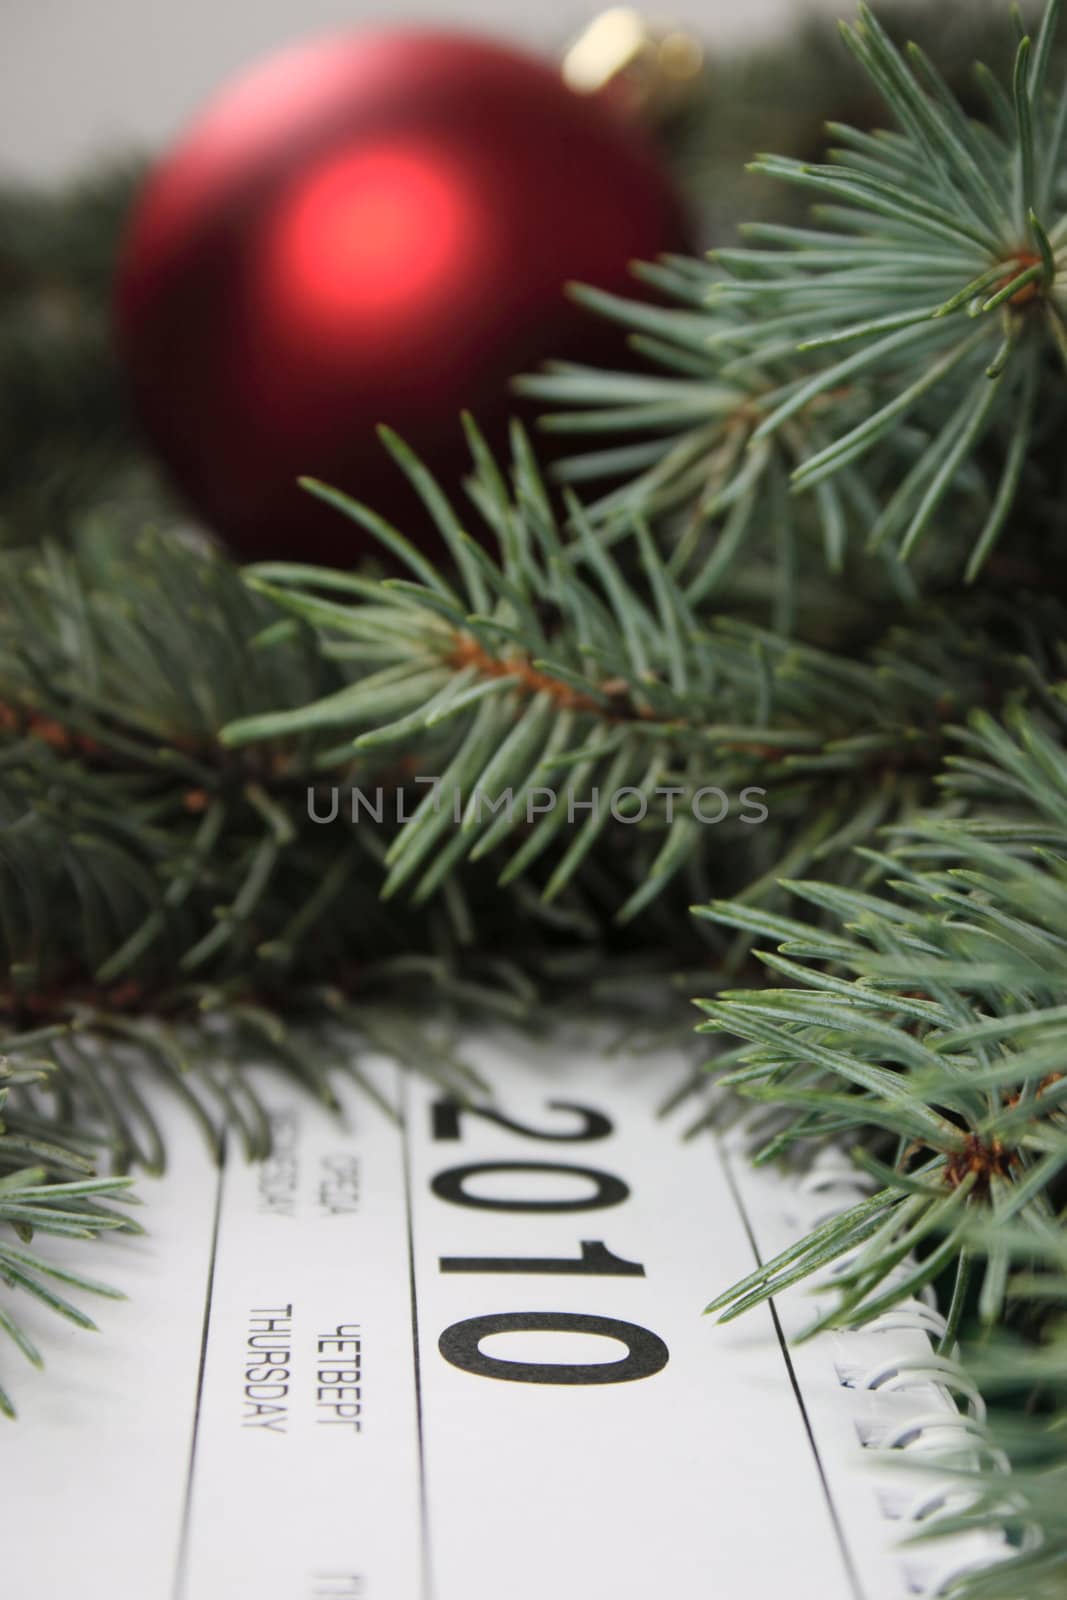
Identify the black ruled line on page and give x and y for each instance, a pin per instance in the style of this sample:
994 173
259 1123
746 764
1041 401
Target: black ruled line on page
424 1517
183 1540
846 1554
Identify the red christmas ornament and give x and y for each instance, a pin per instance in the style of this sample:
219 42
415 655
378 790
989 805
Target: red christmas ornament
372 228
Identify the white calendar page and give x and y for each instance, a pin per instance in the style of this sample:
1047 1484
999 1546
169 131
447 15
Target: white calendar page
447 1356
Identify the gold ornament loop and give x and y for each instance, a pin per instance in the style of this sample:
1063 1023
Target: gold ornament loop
650 69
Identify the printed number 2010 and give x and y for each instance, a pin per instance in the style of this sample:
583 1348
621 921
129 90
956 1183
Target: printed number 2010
461 1344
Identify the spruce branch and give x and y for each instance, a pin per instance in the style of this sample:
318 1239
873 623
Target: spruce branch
167 905
557 686
907 349
929 1023
49 1185
1009 1483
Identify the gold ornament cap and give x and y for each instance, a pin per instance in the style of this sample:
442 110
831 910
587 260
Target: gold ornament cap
649 69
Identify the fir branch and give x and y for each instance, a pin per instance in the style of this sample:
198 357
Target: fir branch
1011 1486
168 905
48 1185
938 258
925 1026
567 671
932 1024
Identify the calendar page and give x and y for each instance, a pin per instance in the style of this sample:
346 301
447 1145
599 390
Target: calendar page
450 1353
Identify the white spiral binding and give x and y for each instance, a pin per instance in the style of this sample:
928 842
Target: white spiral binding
939 1426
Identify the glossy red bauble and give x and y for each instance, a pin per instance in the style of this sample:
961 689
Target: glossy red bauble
373 228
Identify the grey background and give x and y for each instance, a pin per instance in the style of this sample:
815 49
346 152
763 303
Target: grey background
83 78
